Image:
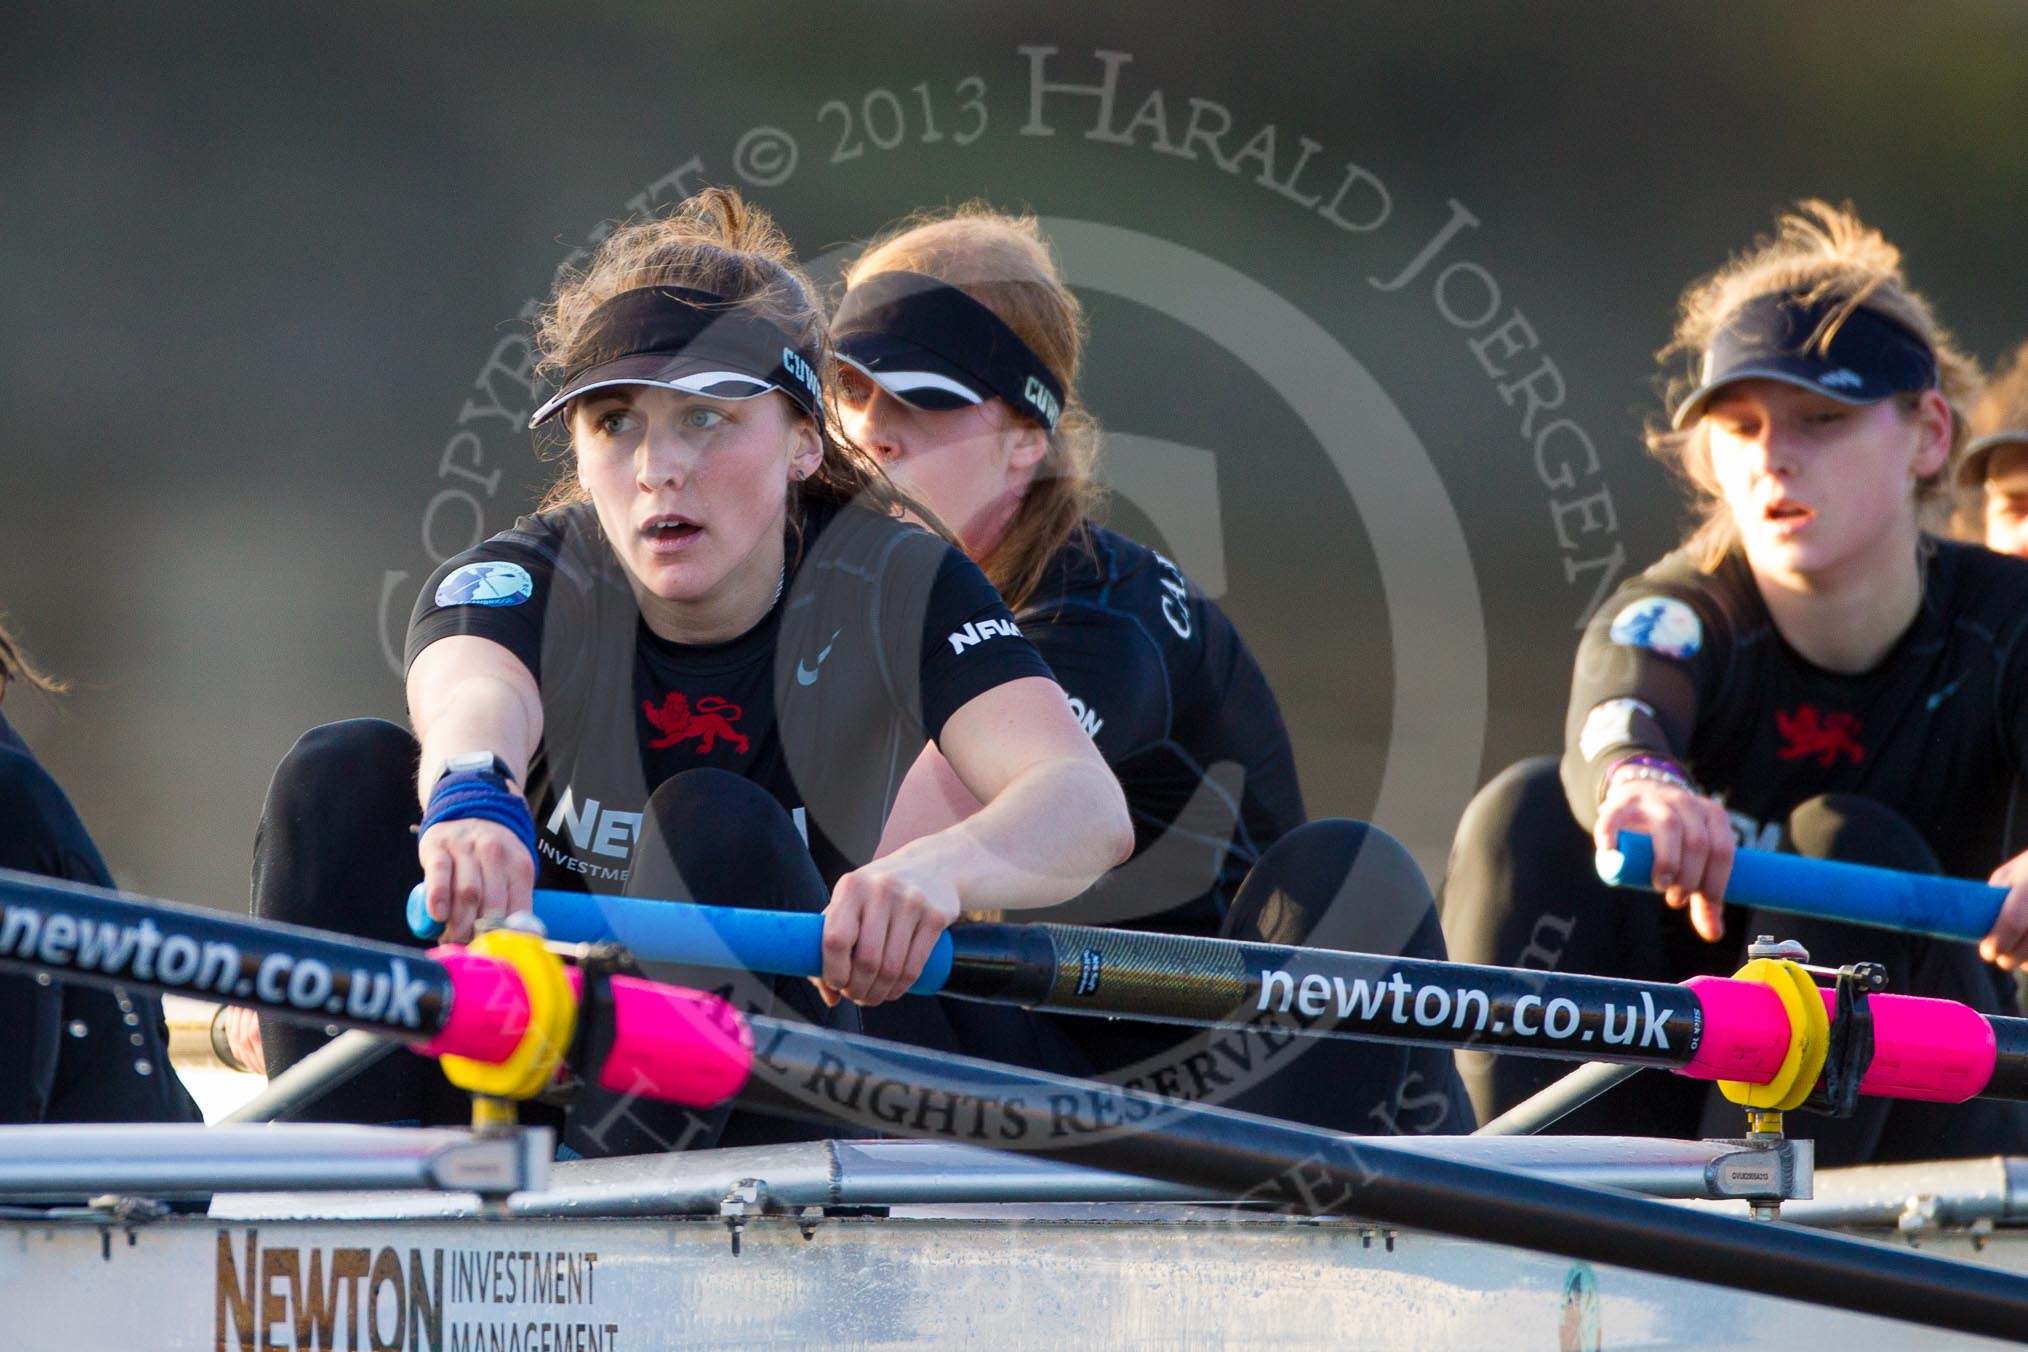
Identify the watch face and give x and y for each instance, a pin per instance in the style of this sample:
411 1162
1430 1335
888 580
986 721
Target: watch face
475 760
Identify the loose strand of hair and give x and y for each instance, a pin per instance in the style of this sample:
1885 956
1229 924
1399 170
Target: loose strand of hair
16 666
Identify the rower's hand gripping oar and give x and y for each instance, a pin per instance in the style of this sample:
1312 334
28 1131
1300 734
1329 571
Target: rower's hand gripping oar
1855 894
1765 1034
500 1015
778 943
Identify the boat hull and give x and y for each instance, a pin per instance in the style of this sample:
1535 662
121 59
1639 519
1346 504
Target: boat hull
1052 1276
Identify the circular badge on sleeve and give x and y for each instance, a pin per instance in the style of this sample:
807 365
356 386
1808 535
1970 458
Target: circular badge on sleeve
486 584
1660 624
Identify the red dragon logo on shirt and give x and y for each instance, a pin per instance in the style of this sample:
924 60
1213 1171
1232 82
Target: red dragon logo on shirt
1825 736
677 721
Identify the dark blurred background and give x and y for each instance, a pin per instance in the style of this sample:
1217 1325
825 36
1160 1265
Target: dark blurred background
264 267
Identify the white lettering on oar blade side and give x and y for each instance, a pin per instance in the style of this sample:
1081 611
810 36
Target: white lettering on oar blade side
1653 1031
142 952
1558 1018
404 1005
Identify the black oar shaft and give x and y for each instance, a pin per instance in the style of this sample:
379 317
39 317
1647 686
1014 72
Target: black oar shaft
97 936
808 1072
1177 979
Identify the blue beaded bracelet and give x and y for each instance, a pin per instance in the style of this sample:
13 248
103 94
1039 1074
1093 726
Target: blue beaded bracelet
466 794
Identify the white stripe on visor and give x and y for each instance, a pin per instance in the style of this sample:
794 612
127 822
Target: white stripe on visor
904 383
909 382
713 384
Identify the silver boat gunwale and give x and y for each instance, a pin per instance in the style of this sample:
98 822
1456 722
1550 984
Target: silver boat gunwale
327 1170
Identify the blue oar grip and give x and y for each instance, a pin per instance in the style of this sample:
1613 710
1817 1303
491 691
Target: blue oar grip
777 943
422 924
1632 864
1853 894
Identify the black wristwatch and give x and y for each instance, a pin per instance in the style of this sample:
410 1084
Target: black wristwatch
477 762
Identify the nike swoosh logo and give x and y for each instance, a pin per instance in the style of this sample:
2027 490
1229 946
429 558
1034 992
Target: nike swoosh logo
1938 697
808 675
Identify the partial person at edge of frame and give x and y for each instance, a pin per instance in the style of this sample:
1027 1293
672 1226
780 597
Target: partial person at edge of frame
1993 476
72 1052
1813 670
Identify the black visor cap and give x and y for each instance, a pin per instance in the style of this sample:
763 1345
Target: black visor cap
690 341
1867 358
930 344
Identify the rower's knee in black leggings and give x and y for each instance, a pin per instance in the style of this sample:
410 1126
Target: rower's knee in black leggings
335 846
1350 886
1861 830
335 850
709 836
1854 829
1527 797
1858 830
1340 884
1520 889
352 761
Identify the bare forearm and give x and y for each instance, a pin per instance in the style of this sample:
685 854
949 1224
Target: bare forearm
1053 821
932 799
1048 835
477 713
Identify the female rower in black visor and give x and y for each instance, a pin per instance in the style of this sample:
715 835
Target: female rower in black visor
960 347
717 642
1811 671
